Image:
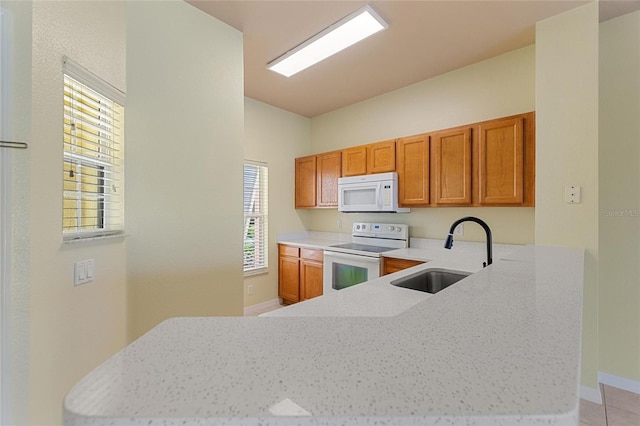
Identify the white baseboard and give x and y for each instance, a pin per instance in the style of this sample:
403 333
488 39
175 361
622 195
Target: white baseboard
591 394
261 307
594 395
619 382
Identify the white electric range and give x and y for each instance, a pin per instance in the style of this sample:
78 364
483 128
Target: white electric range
359 261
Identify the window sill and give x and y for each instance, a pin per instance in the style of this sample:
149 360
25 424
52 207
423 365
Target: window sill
93 239
256 272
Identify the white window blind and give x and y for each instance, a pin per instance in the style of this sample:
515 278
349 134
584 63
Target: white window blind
93 183
255 218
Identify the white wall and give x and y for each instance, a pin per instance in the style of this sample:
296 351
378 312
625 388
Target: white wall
619 224
567 151
71 329
184 137
276 137
498 87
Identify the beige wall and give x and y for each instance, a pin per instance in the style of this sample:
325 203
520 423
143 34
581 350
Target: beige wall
275 137
567 151
498 87
71 329
15 114
185 129
619 226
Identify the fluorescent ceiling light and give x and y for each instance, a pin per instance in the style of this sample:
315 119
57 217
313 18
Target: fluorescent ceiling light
347 31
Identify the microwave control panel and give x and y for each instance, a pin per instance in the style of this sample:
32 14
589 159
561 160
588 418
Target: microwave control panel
386 195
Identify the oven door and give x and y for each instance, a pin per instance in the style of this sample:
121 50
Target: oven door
343 270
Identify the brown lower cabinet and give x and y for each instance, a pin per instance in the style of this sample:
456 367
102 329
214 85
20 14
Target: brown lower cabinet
392 264
299 273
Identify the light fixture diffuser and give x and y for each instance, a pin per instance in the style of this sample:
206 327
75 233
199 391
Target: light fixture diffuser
349 30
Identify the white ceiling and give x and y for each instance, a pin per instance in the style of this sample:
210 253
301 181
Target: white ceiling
424 39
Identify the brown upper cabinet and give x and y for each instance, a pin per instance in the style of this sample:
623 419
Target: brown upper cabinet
317 180
354 161
377 157
381 157
505 162
329 166
306 182
413 171
491 163
451 154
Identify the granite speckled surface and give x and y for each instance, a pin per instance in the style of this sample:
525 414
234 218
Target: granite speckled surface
500 347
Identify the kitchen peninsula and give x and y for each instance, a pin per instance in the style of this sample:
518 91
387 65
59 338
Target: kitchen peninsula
500 347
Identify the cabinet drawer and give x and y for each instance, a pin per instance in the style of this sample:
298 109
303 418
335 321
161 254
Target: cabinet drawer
288 251
311 254
391 264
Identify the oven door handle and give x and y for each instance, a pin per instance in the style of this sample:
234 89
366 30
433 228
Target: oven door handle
345 256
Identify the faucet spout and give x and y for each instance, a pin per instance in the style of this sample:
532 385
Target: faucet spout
449 242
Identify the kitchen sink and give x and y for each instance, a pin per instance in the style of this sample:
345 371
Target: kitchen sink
431 280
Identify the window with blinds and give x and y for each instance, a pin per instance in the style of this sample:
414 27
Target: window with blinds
93 200
93 184
255 218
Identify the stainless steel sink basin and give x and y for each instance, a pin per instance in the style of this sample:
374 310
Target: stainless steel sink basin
431 280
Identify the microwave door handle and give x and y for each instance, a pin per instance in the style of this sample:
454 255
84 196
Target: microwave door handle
380 197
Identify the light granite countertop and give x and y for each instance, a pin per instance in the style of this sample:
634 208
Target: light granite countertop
500 347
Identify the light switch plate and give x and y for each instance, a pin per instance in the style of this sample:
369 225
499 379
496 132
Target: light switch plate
83 272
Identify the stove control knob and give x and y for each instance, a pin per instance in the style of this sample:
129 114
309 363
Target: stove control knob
363 226
390 228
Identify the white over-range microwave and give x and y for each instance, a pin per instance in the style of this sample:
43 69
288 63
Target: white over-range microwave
369 193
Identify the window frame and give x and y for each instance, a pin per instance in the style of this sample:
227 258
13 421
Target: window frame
259 201
93 170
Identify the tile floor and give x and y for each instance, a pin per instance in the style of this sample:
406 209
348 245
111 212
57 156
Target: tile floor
620 408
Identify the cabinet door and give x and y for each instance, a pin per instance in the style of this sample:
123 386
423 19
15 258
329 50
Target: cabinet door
310 279
413 170
289 279
329 166
452 166
354 161
305 182
501 162
381 157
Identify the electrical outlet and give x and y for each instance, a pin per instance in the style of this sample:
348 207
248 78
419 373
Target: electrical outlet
459 230
250 289
83 272
572 194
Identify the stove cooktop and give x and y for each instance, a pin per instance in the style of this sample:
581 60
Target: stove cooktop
372 239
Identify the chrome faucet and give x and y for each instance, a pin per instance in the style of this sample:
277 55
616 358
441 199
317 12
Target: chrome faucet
449 243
